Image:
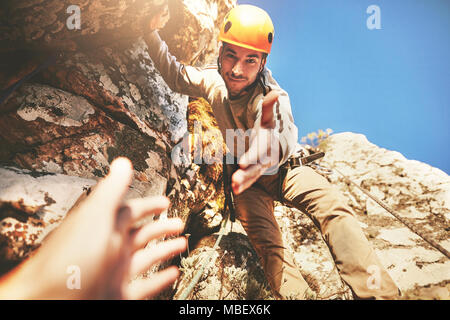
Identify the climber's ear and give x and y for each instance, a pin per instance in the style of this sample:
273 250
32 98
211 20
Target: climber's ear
263 61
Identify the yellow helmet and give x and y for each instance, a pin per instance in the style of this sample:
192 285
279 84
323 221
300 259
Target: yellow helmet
249 27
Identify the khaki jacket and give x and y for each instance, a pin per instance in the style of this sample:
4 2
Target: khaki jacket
244 113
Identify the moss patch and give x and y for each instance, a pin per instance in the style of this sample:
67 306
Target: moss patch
133 145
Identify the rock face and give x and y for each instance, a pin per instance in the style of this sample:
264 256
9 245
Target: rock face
31 205
73 26
196 22
100 99
103 98
417 191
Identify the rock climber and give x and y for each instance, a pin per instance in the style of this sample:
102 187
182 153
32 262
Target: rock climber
244 95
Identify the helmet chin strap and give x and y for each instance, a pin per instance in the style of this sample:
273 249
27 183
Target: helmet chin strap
219 65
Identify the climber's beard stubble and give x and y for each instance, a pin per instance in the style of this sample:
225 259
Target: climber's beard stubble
235 86
239 68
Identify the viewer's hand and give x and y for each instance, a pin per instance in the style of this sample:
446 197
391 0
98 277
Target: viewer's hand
263 152
160 19
99 240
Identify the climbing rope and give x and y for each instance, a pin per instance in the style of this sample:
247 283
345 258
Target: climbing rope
205 262
410 226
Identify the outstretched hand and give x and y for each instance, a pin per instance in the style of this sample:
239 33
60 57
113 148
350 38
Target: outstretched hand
263 152
99 239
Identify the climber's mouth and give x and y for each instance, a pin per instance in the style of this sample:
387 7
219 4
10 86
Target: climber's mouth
240 79
236 83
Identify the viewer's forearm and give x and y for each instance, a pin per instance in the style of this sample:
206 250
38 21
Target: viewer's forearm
15 285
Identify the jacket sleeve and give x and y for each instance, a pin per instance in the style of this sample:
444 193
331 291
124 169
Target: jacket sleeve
188 80
284 123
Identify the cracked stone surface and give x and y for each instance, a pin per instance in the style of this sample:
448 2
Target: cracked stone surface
416 191
102 98
31 205
191 32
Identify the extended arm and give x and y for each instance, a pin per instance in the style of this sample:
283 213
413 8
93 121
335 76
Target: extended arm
180 78
274 140
283 122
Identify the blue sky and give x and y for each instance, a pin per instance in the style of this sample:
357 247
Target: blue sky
391 84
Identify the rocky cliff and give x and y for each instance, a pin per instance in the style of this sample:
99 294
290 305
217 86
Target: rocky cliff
95 96
418 193
101 97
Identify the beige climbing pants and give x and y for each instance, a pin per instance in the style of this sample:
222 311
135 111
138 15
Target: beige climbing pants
308 191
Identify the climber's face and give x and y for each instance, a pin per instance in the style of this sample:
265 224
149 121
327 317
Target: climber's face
239 68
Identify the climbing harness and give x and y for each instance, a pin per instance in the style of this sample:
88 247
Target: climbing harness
293 162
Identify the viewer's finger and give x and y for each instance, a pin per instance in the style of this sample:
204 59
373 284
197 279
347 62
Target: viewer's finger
155 231
142 207
108 193
146 288
143 259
